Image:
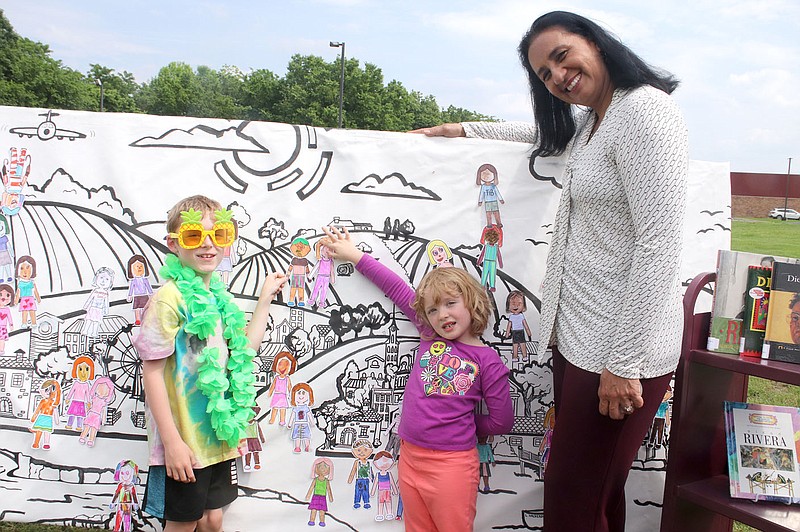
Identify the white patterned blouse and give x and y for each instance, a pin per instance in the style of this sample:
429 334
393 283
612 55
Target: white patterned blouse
612 292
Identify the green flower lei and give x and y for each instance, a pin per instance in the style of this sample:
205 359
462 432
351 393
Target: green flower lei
231 397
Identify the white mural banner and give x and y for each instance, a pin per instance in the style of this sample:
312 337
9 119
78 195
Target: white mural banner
83 209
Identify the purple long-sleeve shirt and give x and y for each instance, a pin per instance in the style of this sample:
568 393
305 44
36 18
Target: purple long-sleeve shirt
447 382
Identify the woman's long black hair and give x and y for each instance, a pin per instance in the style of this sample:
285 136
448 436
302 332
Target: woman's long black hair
554 119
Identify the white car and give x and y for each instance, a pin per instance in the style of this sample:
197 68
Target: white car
784 214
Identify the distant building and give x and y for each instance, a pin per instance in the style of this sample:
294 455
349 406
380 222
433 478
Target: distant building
16 381
77 343
350 225
754 195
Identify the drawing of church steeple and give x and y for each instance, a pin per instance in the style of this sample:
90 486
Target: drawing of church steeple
392 344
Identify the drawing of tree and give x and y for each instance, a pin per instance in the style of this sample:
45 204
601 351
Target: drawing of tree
534 384
54 364
273 230
298 342
347 319
375 317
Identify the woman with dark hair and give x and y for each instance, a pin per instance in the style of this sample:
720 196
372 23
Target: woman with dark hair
611 294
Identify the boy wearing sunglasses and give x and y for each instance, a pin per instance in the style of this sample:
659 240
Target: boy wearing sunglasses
197 352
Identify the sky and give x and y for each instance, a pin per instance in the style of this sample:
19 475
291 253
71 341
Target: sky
738 60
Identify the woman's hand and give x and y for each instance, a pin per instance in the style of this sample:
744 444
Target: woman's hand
340 245
619 396
443 130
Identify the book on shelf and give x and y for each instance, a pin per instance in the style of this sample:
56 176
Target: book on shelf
782 337
756 304
763 444
727 311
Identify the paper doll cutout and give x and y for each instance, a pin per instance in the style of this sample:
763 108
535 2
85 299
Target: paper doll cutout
544 447
361 472
301 417
6 322
139 290
45 415
490 257
253 443
321 475
27 294
77 398
283 365
297 272
6 252
15 174
485 459
125 500
517 328
96 305
658 435
229 257
323 274
384 484
101 395
439 255
489 196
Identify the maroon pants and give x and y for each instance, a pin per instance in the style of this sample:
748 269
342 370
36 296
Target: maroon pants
591 454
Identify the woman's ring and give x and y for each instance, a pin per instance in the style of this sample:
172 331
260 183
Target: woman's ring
628 409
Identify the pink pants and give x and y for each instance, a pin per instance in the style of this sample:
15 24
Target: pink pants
439 488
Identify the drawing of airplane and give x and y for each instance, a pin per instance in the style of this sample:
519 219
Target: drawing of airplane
47 130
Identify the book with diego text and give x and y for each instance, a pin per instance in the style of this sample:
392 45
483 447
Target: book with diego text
727 310
763 445
756 304
782 337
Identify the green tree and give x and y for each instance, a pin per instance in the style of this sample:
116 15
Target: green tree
261 91
173 91
119 89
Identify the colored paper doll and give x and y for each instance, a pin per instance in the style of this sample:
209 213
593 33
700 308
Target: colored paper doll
101 395
96 305
384 484
485 459
27 294
324 274
255 439
301 417
45 415
77 398
544 447
283 365
6 322
125 501
321 475
228 255
490 257
15 173
659 430
439 255
361 472
6 252
139 290
489 196
297 272
517 328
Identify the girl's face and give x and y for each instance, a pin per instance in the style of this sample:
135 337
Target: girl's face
102 390
83 371
487 176
283 367
384 463
137 269
126 474
301 397
325 252
24 270
48 391
438 254
5 297
450 318
104 280
322 469
516 304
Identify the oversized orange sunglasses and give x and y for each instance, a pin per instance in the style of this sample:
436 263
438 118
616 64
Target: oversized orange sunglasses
192 235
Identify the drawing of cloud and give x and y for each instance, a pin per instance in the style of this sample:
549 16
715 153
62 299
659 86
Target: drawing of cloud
393 185
204 138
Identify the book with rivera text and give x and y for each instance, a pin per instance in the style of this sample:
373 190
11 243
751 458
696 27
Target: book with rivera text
763 444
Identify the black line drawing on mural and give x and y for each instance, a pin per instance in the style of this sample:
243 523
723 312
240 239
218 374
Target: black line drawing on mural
393 185
47 130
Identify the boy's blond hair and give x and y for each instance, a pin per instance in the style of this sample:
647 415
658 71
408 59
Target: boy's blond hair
199 203
442 282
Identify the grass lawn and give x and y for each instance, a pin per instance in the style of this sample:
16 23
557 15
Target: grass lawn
757 235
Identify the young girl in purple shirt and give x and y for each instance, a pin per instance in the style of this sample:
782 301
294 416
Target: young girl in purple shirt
453 372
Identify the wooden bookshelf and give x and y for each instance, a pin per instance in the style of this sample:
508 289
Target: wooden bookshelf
697 494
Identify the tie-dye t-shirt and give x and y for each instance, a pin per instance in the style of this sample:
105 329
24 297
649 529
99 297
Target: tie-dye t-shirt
162 335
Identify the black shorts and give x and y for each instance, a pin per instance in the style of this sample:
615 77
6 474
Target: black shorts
166 498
